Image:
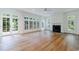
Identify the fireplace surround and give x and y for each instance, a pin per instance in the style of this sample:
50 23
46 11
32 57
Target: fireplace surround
56 28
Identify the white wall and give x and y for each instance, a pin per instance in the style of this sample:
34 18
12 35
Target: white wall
58 19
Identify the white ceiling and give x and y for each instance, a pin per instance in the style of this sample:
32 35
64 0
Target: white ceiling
48 12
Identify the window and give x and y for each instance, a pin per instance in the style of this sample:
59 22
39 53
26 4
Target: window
6 24
31 24
38 24
26 25
30 18
34 24
42 24
71 23
14 24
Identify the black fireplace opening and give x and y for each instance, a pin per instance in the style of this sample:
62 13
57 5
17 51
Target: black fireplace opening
56 28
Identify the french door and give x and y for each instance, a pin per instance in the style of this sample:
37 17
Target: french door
71 24
9 25
5 25
14 25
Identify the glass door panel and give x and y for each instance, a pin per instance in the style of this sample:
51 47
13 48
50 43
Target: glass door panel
38 24
15 24
34 24
26 25
71 24
6 24
31 25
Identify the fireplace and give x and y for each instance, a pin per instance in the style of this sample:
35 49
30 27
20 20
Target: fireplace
56 28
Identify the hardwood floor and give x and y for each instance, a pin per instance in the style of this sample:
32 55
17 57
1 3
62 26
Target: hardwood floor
40 41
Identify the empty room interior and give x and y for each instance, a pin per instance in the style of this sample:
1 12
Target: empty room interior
39 29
